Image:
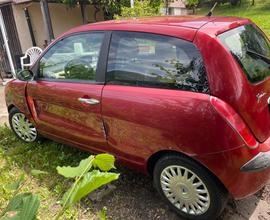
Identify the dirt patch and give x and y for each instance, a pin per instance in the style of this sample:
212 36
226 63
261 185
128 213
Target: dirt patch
135 198
266 194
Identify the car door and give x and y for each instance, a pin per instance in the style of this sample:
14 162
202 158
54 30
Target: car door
156 92
65 96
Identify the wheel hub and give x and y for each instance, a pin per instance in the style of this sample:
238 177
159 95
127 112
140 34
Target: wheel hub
23 127
185 190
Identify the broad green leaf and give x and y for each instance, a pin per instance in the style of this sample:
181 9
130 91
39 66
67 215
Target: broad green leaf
88 184
29 208
15 185
72 172
16 202
24 206
38 172
104 162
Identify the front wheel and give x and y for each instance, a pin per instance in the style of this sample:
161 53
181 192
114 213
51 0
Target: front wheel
188 188
22 127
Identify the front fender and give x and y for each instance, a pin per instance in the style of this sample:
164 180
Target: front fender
15 95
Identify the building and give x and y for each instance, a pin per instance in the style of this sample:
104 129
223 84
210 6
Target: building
177 7
24 24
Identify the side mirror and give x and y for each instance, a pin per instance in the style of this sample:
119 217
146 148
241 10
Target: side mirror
25 75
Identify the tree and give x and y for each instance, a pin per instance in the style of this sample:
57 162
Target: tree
234 2
141 8
109 7
192 4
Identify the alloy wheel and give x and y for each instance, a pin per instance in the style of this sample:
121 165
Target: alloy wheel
185 190
23 127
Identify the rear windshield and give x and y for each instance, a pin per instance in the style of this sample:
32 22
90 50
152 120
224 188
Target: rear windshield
251 48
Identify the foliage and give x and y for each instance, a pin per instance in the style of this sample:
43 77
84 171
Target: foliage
259 13
192 4
121 8
141 8
109 7
87 181
22 206
15 185
36 163
104 162
231 2
103 214
72 172
234 2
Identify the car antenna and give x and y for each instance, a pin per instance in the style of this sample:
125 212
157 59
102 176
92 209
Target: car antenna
212 9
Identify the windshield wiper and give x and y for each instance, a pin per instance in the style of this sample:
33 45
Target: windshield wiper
264 58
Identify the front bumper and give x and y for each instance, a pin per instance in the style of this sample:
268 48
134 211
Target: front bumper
258 163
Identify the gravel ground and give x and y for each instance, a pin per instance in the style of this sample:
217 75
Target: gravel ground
134 197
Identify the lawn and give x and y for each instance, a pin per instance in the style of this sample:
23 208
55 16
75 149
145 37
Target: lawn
18 158
260 13
132 193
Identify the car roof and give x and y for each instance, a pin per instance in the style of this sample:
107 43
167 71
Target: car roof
191 21
182 26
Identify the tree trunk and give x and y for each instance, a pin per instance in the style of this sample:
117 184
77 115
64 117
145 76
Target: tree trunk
193 9
97 9
166 7
83 6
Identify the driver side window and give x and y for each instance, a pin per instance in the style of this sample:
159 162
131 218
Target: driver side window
73 58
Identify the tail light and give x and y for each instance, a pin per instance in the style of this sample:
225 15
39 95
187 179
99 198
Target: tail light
235 121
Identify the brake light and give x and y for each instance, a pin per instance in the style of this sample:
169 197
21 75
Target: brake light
235 121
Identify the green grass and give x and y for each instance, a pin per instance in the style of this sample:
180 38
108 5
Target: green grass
18 158
260 13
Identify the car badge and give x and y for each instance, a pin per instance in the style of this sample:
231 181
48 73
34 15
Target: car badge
259 97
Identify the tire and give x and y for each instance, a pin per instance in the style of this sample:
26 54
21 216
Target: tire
180 192
22 127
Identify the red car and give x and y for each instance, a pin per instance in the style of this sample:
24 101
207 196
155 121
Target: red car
184 99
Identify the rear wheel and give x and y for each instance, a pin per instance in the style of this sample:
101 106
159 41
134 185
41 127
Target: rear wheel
188 188
22 127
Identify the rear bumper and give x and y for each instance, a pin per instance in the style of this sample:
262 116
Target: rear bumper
258 163
243 171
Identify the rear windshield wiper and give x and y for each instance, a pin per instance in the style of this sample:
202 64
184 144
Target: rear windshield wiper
264 58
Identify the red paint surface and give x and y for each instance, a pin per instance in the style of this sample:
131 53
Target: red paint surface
143 121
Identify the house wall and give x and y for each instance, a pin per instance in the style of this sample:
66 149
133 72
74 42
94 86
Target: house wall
178 11
63 18
177 4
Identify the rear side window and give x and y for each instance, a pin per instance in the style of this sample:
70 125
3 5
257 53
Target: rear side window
150 60
251 48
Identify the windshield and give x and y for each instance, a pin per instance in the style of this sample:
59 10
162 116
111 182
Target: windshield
251 48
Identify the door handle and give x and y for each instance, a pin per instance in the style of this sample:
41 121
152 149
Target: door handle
89 101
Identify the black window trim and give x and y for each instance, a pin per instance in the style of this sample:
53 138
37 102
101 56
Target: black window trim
101 65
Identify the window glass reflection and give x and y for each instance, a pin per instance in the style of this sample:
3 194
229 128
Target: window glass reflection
141 59
74 57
